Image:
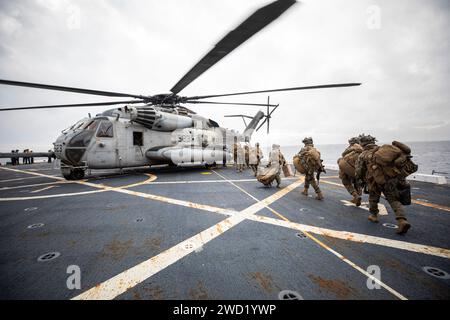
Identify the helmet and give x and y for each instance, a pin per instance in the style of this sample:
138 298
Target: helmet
308 140
353 140
365 140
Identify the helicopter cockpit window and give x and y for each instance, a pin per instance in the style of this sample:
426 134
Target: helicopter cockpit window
92 126
213 124
105 130
75 126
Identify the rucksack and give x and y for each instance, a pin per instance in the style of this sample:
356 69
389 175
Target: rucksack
266 175
347 164
307 159
298 164
391 161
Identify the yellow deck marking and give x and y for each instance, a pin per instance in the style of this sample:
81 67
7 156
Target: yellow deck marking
209 181
334 183
122 189
422 203
323 245
127 279
18 179
356 237
344 235
350 263
43 189
431 205
34 185
59 195
102 187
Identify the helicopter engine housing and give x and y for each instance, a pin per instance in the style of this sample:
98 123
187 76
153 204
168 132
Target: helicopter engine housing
154 119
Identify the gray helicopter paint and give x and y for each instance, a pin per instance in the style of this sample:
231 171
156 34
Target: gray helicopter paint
174 137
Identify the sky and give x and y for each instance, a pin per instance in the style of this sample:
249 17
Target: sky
398 50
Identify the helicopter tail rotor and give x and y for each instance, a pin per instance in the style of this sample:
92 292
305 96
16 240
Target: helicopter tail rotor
268 115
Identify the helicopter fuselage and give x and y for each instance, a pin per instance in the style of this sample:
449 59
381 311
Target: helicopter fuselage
119 138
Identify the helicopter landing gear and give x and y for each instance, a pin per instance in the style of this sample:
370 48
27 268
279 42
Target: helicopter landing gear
73 174
210 165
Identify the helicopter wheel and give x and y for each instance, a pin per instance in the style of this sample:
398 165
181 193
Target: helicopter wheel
210 165
75 174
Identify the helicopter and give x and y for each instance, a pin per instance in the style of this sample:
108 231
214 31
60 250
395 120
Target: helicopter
150 130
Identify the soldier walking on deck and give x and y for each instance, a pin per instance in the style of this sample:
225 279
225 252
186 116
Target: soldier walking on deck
276 160
247 155
255 157
240 158
259 153
347 169
384 170
309 157
234 149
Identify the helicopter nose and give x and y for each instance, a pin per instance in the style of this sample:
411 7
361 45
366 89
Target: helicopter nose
71 148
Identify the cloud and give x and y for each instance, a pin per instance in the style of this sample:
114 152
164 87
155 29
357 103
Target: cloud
145 47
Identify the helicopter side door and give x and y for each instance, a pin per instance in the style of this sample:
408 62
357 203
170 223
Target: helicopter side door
103 153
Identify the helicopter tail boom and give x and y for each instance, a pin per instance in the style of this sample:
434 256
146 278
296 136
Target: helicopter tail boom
253 124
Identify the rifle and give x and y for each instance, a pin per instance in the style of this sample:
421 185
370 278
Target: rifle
361 183
321 169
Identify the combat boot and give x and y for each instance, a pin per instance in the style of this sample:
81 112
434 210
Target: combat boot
356 199
373 218
305 192
403 226
319 195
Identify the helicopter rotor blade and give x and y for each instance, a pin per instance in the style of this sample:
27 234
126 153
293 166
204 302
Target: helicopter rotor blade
253 24
69 89
324 86
229 103
237 116
74 105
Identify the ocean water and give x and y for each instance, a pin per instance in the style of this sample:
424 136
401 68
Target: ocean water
428 156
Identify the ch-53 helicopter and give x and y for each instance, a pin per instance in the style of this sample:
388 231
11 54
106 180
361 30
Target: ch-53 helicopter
157 129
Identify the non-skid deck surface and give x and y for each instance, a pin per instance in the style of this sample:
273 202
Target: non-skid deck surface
212 234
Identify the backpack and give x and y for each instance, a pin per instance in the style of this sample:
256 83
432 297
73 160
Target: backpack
266 175
390 161
347 163
298 164
307 159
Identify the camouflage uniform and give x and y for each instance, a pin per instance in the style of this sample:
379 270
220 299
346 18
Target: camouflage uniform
309 175
349 182
389 189
235 147
277 159
240 155
247 156
255 158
